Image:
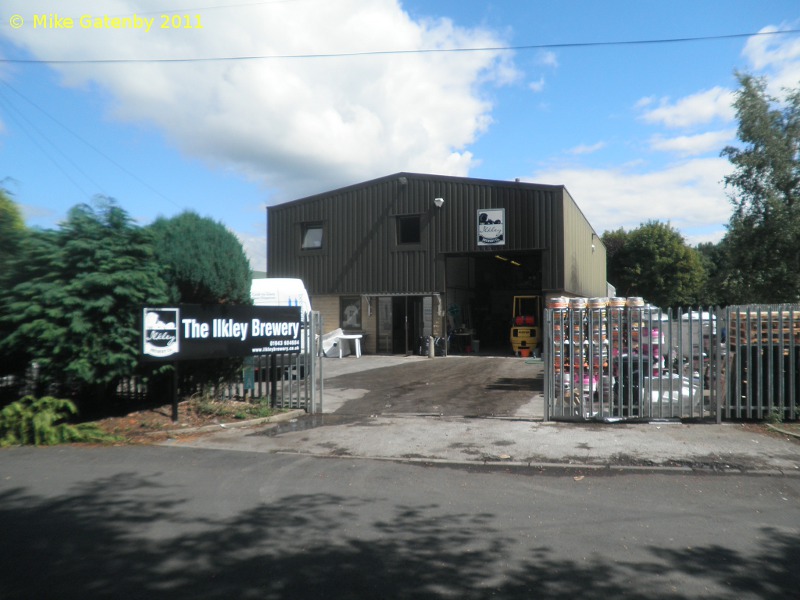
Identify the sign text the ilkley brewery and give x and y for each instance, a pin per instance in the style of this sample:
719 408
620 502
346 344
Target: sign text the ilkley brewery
230 328
194 331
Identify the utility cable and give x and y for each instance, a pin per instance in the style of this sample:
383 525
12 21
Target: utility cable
400 52
90 145
24 123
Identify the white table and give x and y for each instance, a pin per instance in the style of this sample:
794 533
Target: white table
356 337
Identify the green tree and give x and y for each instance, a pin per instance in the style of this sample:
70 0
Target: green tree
204 262
614 241
654 261
714 260
28 304
12 230
74 308
763 238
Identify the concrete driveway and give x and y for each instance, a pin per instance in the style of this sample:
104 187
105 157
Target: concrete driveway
420 409
455 386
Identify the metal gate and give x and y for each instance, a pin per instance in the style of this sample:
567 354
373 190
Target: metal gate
287 380
763 364
611 361
293 380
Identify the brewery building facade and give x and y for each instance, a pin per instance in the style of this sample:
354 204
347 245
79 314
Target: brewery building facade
409 255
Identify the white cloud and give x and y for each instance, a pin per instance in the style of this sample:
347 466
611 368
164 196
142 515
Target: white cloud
693 145
547 58
764 51
301 125
706 235
690 195
697 109
537 86
587 149
777 56
255 246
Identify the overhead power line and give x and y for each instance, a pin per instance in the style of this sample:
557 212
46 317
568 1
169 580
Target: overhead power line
11 108
401 52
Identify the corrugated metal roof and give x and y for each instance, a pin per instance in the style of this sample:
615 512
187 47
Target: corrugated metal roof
361 253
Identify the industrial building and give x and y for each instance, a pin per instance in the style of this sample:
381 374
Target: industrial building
409 255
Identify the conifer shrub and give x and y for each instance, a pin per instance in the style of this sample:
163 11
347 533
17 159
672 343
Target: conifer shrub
43 422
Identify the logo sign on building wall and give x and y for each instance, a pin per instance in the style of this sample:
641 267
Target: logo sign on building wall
491 226
191 331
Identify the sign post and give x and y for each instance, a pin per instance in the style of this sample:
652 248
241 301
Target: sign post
194 332
175 380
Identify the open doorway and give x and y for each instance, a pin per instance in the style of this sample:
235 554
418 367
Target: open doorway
406 324
400 324
480 294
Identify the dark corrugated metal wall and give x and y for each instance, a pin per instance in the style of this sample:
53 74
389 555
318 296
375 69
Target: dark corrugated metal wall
360 254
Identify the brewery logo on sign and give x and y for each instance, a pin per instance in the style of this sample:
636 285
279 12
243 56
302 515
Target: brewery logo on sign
491 227
161 331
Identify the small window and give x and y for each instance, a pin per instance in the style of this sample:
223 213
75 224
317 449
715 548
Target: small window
408 229
312 237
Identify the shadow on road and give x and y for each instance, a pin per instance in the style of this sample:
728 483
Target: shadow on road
126 537
517 384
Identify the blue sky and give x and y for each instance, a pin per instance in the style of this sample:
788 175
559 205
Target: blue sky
634 131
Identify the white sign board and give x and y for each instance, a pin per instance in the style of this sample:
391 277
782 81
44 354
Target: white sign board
491 226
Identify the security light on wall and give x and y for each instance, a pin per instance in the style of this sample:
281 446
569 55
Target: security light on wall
438 202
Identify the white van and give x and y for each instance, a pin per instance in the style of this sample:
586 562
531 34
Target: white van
276 291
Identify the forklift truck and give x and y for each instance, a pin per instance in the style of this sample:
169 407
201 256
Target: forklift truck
526 328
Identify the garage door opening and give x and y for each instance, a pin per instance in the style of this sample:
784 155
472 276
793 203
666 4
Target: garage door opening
480 295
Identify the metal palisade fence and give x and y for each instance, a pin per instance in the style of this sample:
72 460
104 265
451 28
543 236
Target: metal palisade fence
763 365
290 380
286 380
617 359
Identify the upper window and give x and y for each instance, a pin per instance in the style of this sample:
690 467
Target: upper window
408 229
312 237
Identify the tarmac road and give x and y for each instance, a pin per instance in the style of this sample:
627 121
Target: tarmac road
483 410
172 523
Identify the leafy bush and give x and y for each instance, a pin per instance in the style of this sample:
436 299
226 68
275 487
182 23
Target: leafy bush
42 422
73 302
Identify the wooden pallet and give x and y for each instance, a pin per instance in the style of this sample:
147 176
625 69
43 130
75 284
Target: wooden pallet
765 327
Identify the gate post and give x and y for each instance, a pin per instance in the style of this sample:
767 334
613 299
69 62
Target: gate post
547 355
720 370
314 359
